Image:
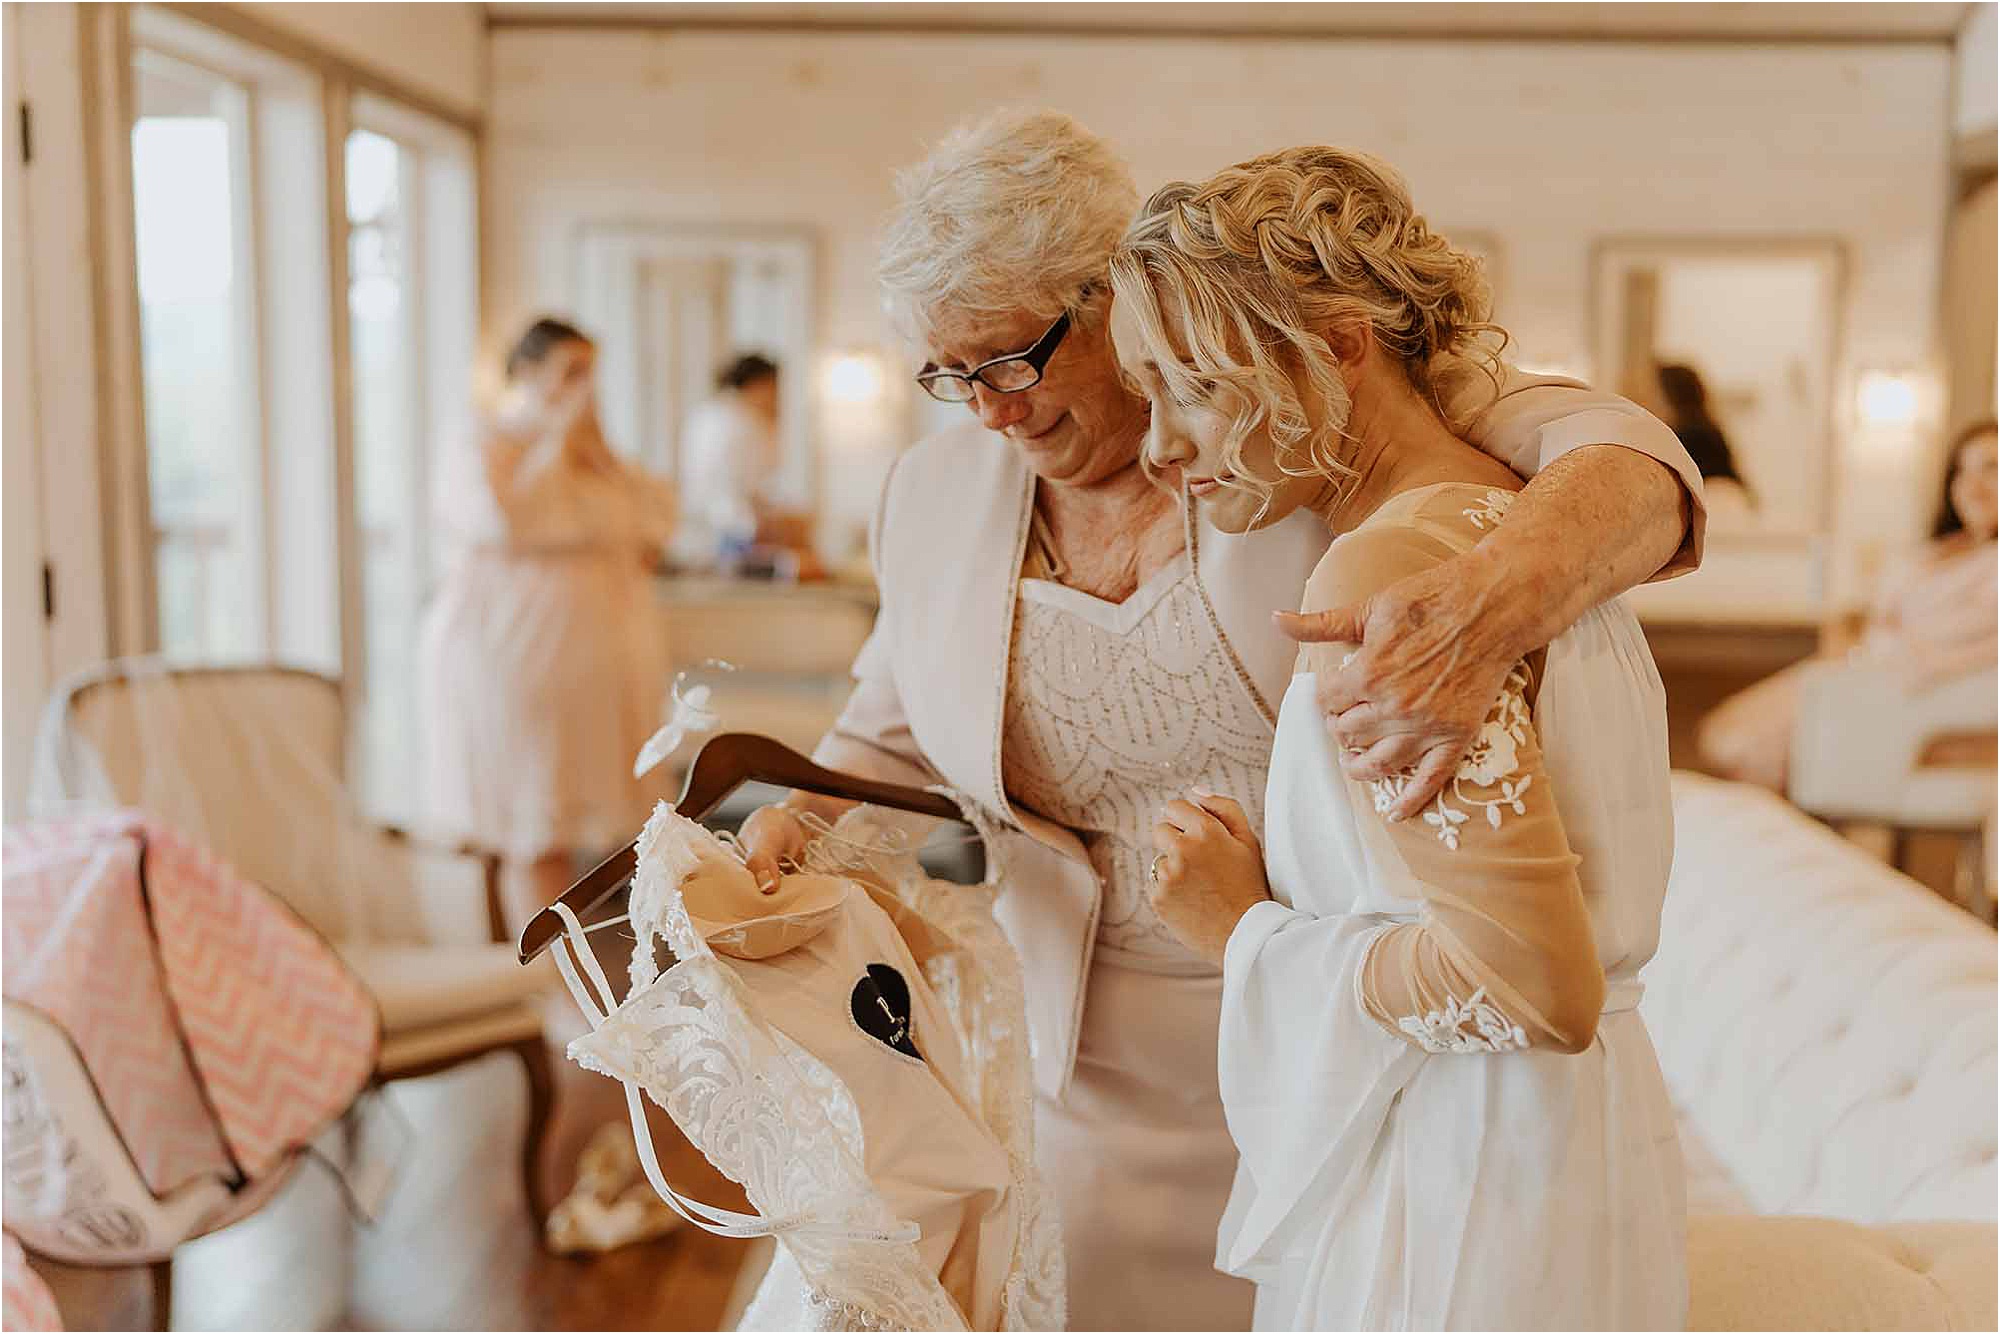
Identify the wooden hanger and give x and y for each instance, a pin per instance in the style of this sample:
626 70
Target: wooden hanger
725 763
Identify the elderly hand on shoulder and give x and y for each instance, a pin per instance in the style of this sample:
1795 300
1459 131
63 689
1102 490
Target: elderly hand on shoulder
1433 656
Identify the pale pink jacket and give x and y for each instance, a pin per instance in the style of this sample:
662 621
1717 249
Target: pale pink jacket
930 684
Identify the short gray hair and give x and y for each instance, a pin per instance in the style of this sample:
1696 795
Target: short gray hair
1014 213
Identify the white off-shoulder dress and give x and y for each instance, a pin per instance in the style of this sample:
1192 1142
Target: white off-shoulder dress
1448 1110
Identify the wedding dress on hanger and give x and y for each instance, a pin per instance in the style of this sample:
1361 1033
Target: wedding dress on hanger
851 1048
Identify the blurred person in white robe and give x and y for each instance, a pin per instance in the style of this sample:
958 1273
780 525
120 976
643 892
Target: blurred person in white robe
1932 619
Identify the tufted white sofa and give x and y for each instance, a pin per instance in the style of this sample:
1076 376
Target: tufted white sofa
1828 1031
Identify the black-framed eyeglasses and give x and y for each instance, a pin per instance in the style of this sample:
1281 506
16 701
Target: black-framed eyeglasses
1009 374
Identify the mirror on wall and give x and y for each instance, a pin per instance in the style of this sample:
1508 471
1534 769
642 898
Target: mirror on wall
1735 344
671 304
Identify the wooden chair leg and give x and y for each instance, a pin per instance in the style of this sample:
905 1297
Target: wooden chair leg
496 914
163 1292
534 1053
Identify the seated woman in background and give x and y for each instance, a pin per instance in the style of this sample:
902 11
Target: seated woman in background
1933 619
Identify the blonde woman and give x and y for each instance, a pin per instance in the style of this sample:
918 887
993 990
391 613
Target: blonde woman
1448 1110
1067 646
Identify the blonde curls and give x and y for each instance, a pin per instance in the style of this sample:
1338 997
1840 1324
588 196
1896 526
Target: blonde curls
1260 259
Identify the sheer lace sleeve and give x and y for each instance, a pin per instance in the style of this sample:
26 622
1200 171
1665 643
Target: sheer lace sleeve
1502 957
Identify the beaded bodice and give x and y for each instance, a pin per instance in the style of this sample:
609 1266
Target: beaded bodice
1115 709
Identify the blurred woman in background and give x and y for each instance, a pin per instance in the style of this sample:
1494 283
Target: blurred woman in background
544 662
544 653
1933 619
1683 402
1687 411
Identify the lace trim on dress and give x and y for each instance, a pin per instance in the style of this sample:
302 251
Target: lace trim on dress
1488 778
781 1124
1492 509
981 986
1473 1025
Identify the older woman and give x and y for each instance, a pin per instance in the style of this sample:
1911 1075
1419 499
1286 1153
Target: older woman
1069 648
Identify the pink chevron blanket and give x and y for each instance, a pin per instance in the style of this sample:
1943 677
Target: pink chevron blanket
219 1033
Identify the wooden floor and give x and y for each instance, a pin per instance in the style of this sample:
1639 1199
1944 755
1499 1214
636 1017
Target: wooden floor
682 1281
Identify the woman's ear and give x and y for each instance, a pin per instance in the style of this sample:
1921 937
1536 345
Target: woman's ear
1351 343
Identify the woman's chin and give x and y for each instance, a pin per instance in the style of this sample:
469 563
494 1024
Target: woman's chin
1229 513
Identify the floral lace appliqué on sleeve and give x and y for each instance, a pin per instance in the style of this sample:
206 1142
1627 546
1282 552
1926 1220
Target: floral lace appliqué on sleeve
1490 511
1474 1025
1489 776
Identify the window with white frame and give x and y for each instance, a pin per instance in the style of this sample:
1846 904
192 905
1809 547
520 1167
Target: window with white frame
412 273
251 464
190 189
230 234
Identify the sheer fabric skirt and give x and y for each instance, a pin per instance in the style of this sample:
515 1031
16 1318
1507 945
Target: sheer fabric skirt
1522 1191
542 677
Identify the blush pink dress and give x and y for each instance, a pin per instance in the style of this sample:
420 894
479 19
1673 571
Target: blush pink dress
1113 710
544 651
1933 621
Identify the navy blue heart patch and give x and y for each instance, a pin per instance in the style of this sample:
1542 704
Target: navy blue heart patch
881 1004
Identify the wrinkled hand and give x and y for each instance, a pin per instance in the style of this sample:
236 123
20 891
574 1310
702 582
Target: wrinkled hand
771 835
1210 872
1432 660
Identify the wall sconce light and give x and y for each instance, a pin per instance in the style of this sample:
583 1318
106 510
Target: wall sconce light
1889 400
855 378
